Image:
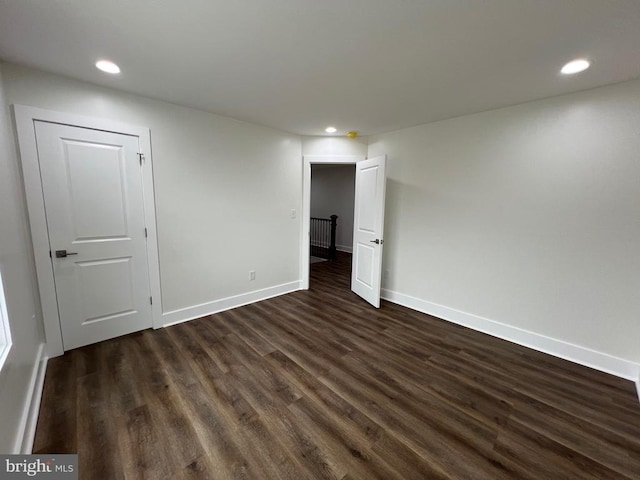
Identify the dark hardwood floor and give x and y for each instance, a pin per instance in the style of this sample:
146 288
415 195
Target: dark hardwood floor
318 384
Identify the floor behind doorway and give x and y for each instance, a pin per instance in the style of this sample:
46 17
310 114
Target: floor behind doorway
333 275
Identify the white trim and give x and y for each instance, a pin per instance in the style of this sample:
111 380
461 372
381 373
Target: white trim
24 118
558 348
305 224
344 248
23 443
153 256
191 313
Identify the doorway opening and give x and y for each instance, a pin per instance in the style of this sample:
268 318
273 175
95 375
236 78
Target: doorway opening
312 162
331 222
368 223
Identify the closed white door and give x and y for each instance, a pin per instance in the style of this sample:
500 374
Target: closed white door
368 229
92 186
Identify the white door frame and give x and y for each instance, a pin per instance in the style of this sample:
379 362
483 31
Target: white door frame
308 160
25 117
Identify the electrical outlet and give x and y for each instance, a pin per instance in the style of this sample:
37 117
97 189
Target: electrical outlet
252 275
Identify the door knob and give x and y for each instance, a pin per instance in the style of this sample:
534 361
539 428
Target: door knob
64 253
377 241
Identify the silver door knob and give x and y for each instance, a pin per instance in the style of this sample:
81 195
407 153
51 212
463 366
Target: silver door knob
377 241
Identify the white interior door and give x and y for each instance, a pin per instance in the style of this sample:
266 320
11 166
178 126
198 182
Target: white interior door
368 226
92 186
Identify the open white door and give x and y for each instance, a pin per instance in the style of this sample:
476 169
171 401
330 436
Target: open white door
368 226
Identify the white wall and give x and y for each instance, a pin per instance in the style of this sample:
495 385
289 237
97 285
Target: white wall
333 193
528 216
334 145
18 273
224 188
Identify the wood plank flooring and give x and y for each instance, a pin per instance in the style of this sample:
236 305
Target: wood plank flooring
318 385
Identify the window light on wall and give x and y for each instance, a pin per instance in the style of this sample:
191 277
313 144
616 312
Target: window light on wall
5 334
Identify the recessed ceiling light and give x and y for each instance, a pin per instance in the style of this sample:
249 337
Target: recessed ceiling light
107 66
331 129
575 66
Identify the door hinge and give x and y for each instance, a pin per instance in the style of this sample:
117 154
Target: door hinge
141 157
145 232
151 300
50 254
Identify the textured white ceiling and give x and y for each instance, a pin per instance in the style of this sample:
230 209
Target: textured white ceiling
300 65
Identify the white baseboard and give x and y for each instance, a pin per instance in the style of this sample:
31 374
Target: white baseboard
29 419
345 248
558 348
190 313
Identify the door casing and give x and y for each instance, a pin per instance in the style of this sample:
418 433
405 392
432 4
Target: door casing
25 117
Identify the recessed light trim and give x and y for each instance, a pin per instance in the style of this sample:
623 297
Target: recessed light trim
331 129
108 67
575 66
